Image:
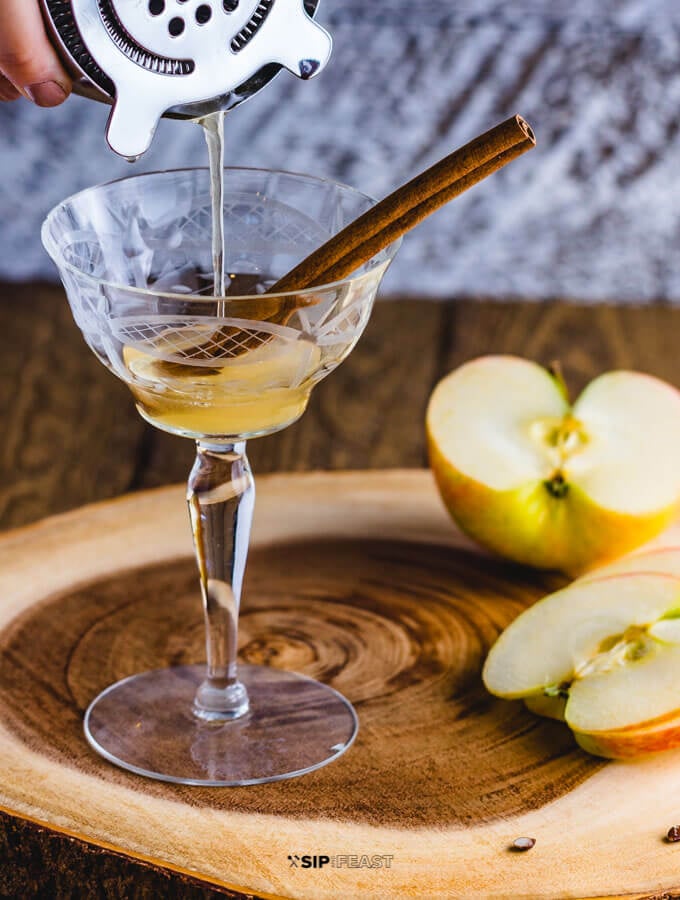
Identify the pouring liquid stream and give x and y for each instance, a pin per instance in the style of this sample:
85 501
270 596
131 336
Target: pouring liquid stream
213 129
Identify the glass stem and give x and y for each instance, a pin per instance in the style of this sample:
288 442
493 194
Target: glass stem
221 497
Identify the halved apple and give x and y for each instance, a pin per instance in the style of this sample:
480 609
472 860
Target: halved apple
549 484
609 650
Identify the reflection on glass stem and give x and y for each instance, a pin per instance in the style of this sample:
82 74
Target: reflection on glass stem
221 497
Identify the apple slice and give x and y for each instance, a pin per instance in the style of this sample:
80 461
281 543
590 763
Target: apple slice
553 639
547 484
662 560
609 650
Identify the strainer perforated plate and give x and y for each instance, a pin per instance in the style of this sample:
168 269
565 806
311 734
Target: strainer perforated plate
189 57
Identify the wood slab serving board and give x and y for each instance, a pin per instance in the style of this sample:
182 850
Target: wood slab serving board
358 579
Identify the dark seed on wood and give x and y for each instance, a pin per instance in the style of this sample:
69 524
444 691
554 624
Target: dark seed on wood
523 843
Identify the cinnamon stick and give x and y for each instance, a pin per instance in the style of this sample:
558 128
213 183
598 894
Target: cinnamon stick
376 229
408 205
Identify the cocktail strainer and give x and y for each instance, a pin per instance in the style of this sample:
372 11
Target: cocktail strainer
180 58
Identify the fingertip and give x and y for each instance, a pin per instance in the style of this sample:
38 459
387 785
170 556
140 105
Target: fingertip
28 58
47 93
7 91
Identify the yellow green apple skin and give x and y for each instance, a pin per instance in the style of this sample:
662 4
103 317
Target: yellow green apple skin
551 485
650 737
531 526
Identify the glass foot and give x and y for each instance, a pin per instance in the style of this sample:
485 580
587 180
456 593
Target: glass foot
145 724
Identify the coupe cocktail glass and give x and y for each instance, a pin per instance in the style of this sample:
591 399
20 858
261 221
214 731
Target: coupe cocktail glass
135 258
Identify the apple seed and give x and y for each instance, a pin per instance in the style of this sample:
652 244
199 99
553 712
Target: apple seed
673 834
523 844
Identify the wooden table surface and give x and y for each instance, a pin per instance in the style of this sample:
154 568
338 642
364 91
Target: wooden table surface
71 436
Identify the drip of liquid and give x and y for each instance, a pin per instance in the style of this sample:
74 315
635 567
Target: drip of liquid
213 128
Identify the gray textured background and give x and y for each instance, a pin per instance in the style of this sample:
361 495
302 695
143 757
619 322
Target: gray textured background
594 213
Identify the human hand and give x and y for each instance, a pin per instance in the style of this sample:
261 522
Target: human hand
29 66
